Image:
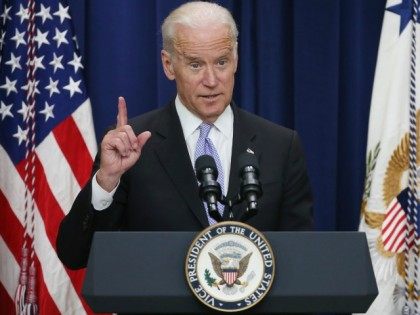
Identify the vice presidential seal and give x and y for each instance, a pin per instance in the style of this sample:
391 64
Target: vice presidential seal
230 266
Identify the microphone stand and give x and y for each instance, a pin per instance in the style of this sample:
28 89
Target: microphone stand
229 203
206 171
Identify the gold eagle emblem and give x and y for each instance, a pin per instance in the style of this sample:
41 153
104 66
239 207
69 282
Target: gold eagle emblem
230 269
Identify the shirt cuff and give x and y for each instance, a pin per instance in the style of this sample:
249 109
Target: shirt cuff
101 199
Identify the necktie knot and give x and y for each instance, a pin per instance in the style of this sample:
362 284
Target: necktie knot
205 130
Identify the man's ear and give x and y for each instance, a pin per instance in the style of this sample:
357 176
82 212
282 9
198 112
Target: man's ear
167 65
236 56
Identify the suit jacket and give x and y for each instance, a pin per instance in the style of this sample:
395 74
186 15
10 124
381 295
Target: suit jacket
160 192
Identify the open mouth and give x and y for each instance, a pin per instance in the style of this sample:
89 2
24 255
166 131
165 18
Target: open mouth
210 97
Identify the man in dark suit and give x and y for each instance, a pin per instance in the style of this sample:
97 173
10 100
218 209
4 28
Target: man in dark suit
144 177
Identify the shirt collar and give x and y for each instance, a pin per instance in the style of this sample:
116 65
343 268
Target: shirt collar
191 122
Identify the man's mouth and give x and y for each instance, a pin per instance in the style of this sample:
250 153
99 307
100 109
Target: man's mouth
210 97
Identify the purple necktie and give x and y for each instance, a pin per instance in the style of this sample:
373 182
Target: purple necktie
205 146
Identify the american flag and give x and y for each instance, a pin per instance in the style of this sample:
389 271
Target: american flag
394 227
47 145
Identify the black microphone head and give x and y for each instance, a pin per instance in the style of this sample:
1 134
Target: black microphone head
247 159
203 162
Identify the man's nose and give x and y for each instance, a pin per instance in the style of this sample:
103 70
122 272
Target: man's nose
210 78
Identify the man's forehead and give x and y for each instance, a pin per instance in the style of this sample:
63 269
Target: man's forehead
215 38
193 51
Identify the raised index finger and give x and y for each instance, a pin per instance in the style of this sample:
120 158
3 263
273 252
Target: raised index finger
122 112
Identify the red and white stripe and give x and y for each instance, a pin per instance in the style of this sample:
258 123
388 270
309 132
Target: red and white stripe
230 276
394 228
63 165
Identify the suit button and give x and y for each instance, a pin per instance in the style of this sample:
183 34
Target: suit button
86 222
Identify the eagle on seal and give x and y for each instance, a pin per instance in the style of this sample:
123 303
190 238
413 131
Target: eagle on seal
230 269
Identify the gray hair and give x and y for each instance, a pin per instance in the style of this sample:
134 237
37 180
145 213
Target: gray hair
195 14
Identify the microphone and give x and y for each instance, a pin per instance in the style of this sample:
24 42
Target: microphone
250 189
210 191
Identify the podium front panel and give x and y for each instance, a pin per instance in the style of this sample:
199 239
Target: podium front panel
143 272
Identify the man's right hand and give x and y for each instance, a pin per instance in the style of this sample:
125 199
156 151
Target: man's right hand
120 150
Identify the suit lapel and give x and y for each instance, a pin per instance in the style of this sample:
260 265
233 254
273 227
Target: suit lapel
244 137
173 155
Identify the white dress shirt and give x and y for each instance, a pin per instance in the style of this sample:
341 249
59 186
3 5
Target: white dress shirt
221 135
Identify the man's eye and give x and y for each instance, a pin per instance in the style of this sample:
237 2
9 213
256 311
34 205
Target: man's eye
222 62
194 65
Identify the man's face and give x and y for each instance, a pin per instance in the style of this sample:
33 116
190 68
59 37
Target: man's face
203 65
